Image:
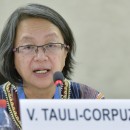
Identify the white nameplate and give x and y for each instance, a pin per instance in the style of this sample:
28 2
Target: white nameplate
75 114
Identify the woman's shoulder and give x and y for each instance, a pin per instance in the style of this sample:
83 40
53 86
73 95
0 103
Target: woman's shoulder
86 91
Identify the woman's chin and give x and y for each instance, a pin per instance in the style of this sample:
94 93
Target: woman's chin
43 84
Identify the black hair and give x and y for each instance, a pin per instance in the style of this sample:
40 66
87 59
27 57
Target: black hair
7 67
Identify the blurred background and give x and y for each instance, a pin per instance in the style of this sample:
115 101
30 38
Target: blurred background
102 32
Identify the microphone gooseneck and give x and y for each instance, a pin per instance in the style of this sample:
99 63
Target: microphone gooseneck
58 79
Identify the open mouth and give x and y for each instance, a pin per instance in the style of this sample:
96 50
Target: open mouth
41 71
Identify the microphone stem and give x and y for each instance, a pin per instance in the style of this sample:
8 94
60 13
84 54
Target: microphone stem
57 94
59 90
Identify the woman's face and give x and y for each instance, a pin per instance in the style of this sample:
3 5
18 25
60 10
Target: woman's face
37 68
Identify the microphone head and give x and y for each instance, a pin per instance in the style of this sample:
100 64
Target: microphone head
58 76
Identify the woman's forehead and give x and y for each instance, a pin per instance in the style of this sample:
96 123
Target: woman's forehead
30 28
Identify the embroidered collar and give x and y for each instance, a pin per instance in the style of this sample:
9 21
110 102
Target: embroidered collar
65 91
9 88
10 103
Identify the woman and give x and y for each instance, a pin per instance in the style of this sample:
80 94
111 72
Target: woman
35 43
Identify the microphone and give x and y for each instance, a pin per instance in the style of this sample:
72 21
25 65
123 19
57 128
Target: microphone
58 79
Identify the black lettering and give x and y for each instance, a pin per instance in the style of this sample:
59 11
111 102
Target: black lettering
53 115
125 115
45 112
62 117
129 116
114 113
76 113
69 115
106 113
31 114
96 114
85 114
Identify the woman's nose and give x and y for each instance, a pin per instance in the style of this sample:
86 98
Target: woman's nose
40 54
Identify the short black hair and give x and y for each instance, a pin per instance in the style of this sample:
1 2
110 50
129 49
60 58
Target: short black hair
7 67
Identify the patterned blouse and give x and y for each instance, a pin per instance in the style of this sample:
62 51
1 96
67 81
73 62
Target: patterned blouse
70 90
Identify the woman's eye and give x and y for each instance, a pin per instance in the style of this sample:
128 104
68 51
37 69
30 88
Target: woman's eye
28 47
51 46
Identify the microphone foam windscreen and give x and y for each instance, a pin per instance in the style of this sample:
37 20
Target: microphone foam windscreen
58 76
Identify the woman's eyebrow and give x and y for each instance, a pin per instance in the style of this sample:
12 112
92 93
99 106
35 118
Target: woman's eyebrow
26 38
52 34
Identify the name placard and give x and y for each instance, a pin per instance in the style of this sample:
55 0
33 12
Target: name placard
46 114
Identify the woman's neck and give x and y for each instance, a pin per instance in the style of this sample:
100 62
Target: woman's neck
39 93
